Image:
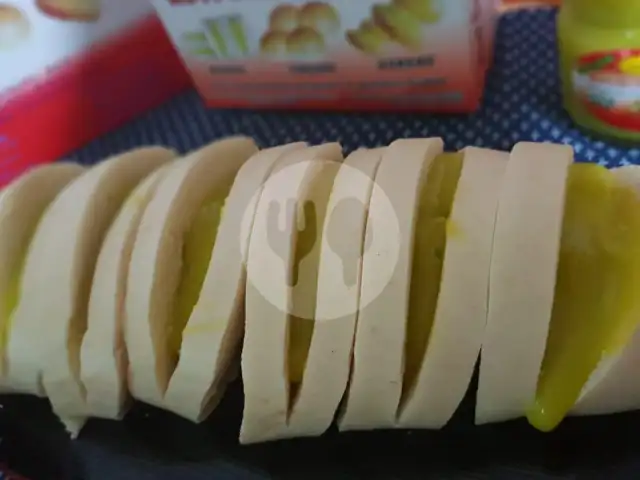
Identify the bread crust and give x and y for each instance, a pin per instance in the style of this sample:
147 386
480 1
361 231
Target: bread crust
378 355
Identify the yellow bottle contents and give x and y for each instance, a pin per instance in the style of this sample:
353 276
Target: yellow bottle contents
305 281
596 307
599 45
196 254
434 209
11 297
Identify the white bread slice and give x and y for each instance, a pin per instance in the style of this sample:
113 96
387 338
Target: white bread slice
461 312
76 10
302 319
156 261
269 299
522 279
213 334
615 386
103 356
22 205
337 302
378 356
57 278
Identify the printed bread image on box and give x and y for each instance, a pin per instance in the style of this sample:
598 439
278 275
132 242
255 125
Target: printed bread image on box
273 44
14 26
401 22
300 33
73 10
428 55
369 38
305 43
284 18
322 17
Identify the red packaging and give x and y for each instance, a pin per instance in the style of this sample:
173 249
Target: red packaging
75 69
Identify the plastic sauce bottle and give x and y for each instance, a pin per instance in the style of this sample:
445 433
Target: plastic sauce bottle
599 44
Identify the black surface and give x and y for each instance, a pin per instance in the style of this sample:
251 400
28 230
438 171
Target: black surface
151 444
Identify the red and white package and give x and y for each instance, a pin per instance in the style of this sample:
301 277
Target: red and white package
74 69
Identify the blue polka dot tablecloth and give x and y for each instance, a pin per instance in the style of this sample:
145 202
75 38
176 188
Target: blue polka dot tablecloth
521 103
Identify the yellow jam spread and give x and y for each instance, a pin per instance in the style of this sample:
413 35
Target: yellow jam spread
305 282
300 328
11 297
434 209
399 24
368 37
196 254
596 306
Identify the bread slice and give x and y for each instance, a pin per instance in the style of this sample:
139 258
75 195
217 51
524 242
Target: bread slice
270 293
614 386
378 355
103 356
342 247
211 339
22 205
76 10
156 270
302 319
459 321
522 279
57 278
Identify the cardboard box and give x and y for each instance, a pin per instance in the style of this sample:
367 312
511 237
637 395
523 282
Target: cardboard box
517 4
74 69
426 55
